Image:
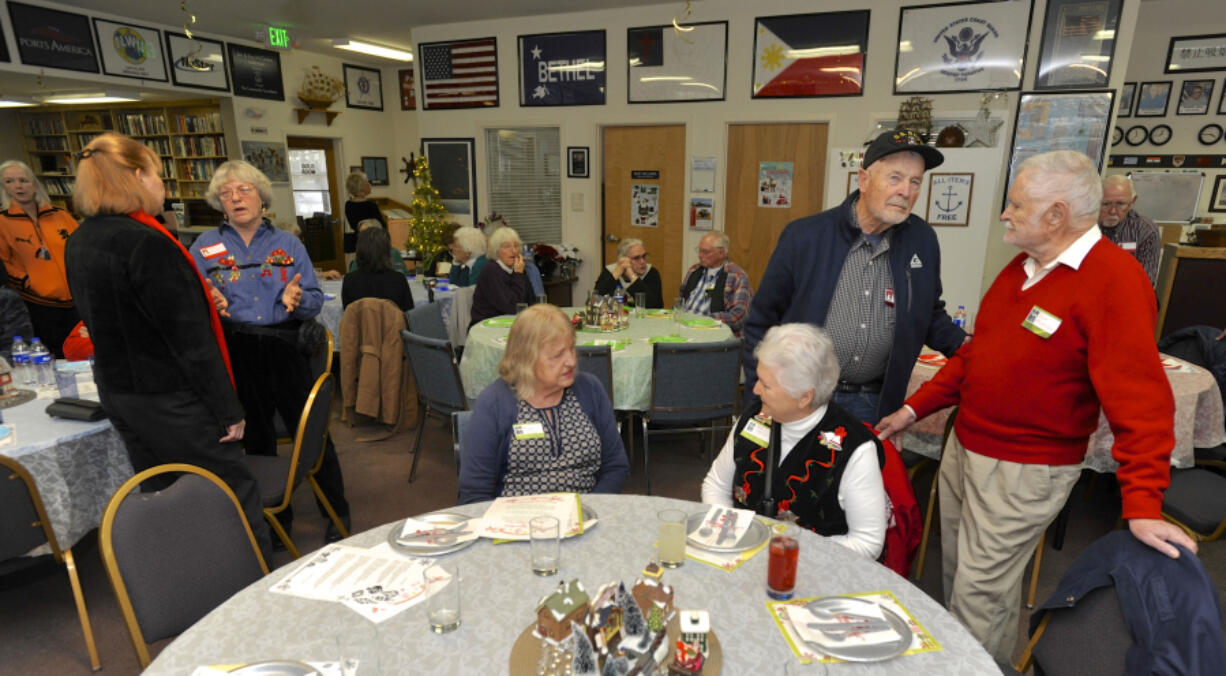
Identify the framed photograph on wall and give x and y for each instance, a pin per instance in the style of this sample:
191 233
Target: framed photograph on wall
668 65
197 62
1217 203
1078 44
269 157
967 46
1127 95
408 93
1069 120
454 170
577 162
803 55
49 37
562 69
375 169
130 51
363 87
1196 53
1194 97
1152 98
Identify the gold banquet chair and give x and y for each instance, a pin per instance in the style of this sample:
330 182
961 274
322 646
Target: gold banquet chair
174 555
23 526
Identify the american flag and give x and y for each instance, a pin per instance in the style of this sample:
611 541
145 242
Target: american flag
460 74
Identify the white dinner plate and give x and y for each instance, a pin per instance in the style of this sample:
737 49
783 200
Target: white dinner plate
862 653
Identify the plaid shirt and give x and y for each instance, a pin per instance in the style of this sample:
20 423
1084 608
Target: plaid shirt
737 294
1138 236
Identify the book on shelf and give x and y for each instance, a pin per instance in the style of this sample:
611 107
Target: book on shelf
44 125
196 123
196 146
141 123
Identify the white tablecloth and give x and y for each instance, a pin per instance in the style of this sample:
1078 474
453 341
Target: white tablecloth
330 313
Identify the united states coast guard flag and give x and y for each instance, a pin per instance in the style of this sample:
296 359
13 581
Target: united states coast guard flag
667 64
810 55
562 69
459 74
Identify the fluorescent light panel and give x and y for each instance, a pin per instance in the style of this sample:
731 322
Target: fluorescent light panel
373 50
16 102
92 97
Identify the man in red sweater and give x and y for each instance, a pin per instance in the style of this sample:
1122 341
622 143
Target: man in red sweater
1067 327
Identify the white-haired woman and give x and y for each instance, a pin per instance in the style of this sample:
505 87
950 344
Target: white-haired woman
543 427
633 273
32 237
827 464
503 283
467 256
358 208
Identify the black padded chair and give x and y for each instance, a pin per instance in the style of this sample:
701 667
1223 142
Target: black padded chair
1196 502
693 388
427 320
279 475
459 428
439 388
23 527
175 554
598 361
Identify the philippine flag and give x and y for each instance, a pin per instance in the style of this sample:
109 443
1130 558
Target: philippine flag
810 55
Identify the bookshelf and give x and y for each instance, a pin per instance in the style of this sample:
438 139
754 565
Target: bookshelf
189 137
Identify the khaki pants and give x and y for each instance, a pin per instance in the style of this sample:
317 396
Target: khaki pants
992 514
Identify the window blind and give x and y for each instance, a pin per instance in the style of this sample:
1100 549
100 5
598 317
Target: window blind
524 167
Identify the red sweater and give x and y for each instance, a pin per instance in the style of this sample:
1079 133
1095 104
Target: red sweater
1027 399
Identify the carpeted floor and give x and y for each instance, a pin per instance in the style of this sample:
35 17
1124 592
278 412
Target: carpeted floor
39 632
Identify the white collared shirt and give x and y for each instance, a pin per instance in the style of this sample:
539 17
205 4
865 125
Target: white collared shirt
1072 256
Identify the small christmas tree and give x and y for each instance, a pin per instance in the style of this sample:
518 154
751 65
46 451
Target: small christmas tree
428 217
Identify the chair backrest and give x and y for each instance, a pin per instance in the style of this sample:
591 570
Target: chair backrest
175 554
434 368
23 519
312 432
427 320
459 428
461 314
1090 637
598 361
322 363
694 381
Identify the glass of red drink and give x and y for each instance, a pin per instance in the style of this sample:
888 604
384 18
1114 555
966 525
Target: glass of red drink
781 569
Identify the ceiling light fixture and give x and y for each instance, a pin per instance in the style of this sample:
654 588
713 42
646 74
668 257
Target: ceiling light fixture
16 102
373 50
109 96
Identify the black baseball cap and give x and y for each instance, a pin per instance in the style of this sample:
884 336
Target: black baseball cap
897 141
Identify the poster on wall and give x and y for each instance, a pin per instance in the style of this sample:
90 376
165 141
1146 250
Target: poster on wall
197 62
256 72
775 185
702 213
949 198
408 94
702 174
130 51
454 172
645 205
968 46
269 157
810 55
363 87
1060 121
668 65
49 37
562 69
461 74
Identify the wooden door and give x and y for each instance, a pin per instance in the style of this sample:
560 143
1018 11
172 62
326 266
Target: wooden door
753 229
658 149
322 237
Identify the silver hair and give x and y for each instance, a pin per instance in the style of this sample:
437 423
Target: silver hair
502 235
238 170
354 181
471 240
718 238
623 249
1068 176
40 193
803 358
1120 180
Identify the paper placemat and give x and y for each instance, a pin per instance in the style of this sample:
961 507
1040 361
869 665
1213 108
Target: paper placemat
376 583
702 323
499 322
614 345
1172 364
667 339
507 518
730 561
921 640
715 519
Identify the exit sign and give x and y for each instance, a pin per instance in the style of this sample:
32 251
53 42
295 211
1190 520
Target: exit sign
278 38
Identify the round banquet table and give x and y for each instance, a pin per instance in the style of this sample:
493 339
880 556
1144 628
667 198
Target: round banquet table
631 364
332 310
499 595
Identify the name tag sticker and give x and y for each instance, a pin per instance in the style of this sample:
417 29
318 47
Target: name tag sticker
758 430
889 297
213 251
532 430
1128 246
1041 322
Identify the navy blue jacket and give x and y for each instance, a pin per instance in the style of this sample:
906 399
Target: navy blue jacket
804 270
1170 605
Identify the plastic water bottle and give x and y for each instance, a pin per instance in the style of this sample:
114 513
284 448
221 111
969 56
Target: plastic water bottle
21 362
960 317
619 295
44 368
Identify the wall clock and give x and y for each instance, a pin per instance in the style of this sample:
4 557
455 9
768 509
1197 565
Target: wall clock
1136 135
1210 134
1160 134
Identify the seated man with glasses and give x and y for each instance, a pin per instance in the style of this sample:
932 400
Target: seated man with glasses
633 273
1121 224
715 286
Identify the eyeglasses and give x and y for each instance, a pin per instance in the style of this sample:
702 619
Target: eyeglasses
706 252
640 257
1116 205
242 190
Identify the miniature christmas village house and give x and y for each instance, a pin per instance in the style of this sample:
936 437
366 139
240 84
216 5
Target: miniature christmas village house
652 595
687 661
604 622
555 612
695 625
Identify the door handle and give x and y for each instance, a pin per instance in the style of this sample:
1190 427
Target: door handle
612 238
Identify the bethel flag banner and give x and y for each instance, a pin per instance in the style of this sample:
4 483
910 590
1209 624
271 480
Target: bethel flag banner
810 55
562 69
667 64
460 74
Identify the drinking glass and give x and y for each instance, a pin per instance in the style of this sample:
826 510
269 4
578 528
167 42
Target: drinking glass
442 580
520 307
640 304
670 538
781 567
678 315
545 534
541 298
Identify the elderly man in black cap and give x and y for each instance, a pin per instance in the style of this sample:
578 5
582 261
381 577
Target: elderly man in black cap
869 272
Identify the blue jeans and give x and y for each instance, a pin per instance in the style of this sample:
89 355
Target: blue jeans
863 405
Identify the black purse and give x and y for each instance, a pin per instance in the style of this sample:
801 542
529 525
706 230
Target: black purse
76 409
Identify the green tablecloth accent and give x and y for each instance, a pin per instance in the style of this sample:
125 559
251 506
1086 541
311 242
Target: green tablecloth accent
631 366
701 323
500 322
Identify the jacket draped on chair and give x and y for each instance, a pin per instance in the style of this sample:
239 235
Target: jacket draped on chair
375 378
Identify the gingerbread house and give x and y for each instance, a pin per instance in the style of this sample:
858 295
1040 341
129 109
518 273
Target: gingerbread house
650 594
568 603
